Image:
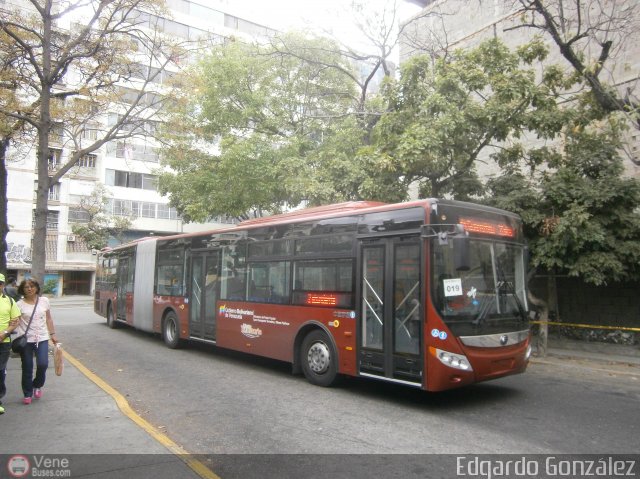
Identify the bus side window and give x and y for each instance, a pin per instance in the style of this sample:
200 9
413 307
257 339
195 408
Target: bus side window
233 282
269 282
232 287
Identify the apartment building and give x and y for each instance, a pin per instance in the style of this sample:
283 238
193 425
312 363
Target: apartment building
125 168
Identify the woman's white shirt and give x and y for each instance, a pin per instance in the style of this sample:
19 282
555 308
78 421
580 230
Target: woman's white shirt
38 330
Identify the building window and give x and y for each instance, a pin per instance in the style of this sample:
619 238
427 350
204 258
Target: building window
78 215
87 161
52 220
165 212
54 192
147 210
135 152
122 207
54 159
128 179
90 133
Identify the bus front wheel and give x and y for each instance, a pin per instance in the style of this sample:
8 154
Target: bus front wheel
319 359
171 331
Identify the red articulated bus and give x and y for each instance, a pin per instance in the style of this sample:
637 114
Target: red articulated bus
429 293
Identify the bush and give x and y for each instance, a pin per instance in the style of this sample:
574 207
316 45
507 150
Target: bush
50 286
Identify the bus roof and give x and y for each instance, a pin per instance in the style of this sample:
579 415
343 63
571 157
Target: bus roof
314 211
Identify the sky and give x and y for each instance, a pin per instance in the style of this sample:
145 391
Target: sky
323 15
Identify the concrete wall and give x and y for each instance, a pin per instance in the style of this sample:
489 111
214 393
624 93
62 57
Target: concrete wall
612 305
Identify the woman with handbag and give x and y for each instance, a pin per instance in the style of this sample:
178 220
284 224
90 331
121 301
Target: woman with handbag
36 323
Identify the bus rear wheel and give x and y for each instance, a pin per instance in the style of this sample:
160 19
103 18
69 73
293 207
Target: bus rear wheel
171 331
319 359
111 318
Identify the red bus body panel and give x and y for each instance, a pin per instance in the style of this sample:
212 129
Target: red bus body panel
270 330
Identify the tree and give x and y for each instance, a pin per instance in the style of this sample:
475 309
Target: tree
581 213
445 115
589 34
100 226
71 58
247 133
10 129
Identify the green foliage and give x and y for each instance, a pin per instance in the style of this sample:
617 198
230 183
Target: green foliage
101 226
582 215
444 113
257 128
50 286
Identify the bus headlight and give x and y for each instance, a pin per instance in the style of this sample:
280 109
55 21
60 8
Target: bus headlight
456 361
527 355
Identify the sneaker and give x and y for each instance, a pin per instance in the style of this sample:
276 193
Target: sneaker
26 400
37 393
1 409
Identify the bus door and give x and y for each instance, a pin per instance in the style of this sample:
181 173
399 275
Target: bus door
123 285
204 294
390 337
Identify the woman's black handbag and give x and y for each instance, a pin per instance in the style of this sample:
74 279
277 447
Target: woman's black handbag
18 344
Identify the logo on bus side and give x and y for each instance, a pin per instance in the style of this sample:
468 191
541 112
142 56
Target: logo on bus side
250 332
234 313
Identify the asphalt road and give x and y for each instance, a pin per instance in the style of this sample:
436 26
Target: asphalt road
212 401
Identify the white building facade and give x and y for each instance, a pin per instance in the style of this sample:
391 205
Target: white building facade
127 169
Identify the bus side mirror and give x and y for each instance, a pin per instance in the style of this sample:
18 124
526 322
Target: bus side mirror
461 253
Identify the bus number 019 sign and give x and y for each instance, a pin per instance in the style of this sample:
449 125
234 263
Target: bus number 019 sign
452 287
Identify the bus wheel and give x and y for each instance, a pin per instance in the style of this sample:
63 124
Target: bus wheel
111 318
319 359
171 331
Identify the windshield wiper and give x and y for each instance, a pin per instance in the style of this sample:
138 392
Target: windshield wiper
508 285
485 307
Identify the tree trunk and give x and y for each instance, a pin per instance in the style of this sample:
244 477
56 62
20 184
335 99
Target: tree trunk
4 226
39 254
541 340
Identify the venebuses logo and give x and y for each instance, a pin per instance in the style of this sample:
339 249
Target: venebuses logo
18 466
39 466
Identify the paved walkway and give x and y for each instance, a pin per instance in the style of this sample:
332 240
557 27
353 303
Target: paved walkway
86 424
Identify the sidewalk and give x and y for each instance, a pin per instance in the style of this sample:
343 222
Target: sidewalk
79 422
604 353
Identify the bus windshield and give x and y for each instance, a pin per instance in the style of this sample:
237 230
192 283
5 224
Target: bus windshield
489 297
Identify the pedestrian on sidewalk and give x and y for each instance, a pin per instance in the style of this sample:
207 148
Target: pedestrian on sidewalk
9 314
11 288
40 331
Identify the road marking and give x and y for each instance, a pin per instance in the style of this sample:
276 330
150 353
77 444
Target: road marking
197 466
